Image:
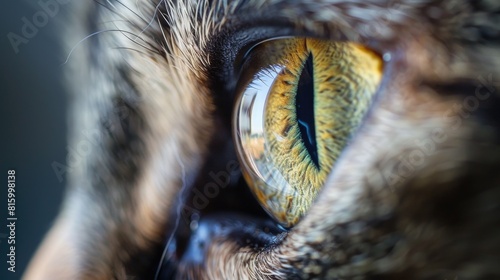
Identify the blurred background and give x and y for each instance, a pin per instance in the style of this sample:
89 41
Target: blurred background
33 121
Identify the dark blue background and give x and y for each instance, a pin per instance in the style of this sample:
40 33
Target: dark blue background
33 128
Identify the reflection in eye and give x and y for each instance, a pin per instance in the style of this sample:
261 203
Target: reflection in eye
300 100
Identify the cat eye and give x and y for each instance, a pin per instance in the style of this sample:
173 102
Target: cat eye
300 100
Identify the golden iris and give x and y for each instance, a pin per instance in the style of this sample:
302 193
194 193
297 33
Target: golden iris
300 101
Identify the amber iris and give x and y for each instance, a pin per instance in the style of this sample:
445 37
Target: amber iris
301 99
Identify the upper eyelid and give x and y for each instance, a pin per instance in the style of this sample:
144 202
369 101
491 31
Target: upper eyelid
323 19
242 28
327 19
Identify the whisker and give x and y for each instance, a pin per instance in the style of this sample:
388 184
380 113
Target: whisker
81 41
97 33
114 11
132 11
152 18
181 197
132 49
139 44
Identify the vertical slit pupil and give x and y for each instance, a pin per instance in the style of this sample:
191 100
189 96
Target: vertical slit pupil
304 103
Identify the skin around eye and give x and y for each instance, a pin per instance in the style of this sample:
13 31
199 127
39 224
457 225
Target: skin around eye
297 109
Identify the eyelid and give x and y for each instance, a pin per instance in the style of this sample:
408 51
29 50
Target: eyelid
245 51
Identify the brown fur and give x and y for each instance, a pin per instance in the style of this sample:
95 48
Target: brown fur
152 105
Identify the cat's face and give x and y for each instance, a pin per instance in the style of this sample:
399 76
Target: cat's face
414 194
